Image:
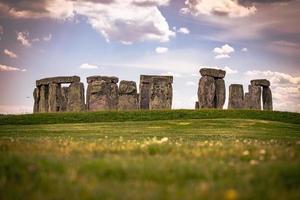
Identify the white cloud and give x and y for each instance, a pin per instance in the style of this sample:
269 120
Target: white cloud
190 83
183 30
285 89
5 68
244 49
88 66
174 74
224 51
10 53
127 21
230 71
23 37
47 38
230 8
161 50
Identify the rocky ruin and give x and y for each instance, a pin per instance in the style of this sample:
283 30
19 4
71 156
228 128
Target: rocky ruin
156 92
102 93
236 97
128 97
49 96
259 91
211 90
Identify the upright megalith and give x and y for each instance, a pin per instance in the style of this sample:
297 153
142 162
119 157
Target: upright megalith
102 93
255 97
211 88
267 98
128 97
236 97
161 93
156 92
50 97
75 98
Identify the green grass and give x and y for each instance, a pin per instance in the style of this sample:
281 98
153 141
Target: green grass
151 155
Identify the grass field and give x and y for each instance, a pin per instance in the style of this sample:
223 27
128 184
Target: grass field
178 154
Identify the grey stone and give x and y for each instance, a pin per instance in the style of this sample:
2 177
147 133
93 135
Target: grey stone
108 79
145 89
260 82
267 99
75 101
54 98
102 93
220 93
64 98
255 97
128 102
58 80
216 73
36 97
236 97
161 93
247 100
43 103
206 92
127 87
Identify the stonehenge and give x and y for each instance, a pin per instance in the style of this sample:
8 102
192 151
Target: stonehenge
156 92
102 94
258 92
49 96
211 88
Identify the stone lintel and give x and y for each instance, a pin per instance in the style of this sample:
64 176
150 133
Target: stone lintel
58 80
149 78
216 73
109 79
260 82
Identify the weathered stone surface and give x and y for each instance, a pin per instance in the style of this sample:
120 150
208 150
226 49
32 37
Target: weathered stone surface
75 102
161 93
102 94
145 88
54 98
220 93
260 82
108 79
267 98
236 97
247 100
36 97
127 87
206 92
216 73
64 99
43 103
128 102
196 105
58 80
255 97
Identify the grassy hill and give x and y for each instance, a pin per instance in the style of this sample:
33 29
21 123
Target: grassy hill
180 154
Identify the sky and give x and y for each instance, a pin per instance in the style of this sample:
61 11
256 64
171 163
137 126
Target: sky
250 39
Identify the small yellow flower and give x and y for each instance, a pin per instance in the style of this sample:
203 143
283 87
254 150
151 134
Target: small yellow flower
231 194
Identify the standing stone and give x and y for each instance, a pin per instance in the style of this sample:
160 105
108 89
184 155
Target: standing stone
206 92
260 82
75 101
64 99
128 97
55 97
43 103
161 94
144 98
267 99
236 97
220 93
36 97
247 100
102 93
255 97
